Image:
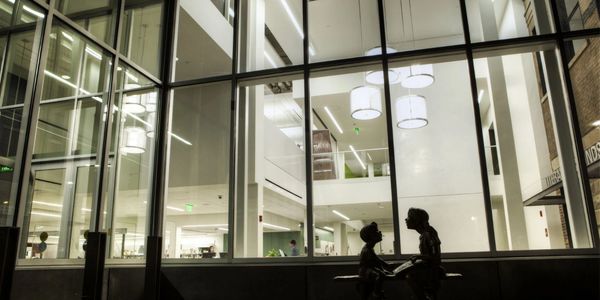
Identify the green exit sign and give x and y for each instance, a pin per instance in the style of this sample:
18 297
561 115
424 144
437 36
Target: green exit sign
5 169
188 207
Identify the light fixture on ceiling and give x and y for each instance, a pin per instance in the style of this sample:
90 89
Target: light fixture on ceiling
277 227
337 125
411 112
133 104
134 140
150 120
596 123
340 215
376 77
365 103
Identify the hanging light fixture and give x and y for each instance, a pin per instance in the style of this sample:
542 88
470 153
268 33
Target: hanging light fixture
411 112
149 101
150 123
133 104
376 77
418 76
134 140
365 103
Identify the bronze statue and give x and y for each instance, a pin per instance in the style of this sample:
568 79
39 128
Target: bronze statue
425 275
373 269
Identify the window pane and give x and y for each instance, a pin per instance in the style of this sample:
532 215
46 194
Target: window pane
498 20
428 121
210 54
75 66
271 211
28 12
64 163
197 203
131 166
271 34
141 39
577 15
537 201
6 12
20 52
342 29
586 80
412 25
96 16
351 182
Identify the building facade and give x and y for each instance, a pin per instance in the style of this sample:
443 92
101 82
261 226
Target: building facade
165 133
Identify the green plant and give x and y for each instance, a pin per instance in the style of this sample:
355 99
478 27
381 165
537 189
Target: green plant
273 253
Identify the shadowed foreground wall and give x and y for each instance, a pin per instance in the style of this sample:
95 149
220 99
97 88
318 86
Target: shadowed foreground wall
519 278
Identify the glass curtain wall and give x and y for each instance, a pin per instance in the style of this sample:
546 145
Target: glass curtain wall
270 212
66 147
19 50
537 197
583 53
351 169
196 222
537 203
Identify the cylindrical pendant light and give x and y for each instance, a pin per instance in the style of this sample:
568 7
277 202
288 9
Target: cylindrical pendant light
411 112
133 104
151 122
376 77
365 103
418 76
134 140
149 101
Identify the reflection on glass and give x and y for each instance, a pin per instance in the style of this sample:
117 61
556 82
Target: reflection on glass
18 54
96 16
270 34
578 14
67 139
534 205
498 20
6 12
130 165
417 24
342 29
28 12
141 38
197 203
273 211
586 79
447 184
351 185
210 54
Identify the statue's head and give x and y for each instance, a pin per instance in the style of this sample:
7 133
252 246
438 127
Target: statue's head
371 234
417 218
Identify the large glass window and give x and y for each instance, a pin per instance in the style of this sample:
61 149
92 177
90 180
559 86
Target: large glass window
270 34
271 200
342 29
503 19
537 200
417 24
131 165
141 39
586 83
18 54
196 223
211 52
351 182
67 139
435 144
96 16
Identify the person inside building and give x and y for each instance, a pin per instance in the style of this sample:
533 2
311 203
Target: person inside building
372 269
425 275
293 249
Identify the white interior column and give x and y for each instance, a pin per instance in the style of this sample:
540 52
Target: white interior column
513 200
340 238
